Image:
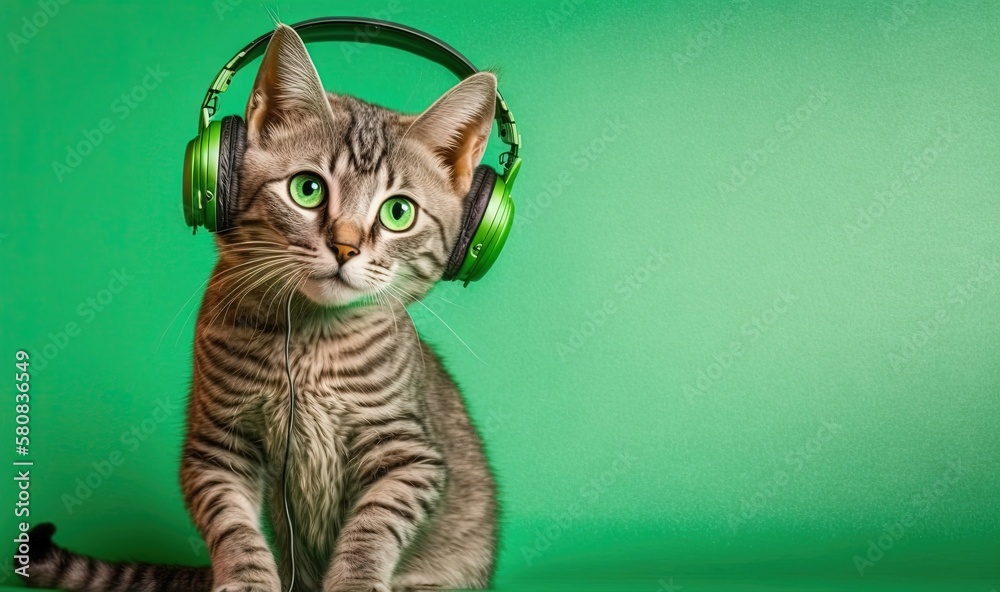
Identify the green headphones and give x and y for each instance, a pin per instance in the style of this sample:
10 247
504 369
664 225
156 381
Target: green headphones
211 160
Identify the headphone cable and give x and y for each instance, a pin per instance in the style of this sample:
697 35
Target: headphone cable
288 437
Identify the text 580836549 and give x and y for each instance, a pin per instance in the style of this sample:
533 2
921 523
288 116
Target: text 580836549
22 465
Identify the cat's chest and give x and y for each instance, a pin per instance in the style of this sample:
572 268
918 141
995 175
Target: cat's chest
320 416
340 386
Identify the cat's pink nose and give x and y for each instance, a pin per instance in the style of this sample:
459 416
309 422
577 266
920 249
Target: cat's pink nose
344 252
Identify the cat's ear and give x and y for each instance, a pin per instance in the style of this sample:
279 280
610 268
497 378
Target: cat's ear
287 87
457 126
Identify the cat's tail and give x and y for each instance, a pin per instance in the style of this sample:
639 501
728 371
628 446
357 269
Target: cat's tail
51 566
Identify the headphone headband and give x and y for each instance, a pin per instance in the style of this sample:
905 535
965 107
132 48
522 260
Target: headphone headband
377 32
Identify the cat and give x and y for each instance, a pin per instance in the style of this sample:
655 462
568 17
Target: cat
347 212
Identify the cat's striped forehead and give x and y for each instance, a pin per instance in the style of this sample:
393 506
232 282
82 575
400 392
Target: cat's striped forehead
364 146
358 150
366 132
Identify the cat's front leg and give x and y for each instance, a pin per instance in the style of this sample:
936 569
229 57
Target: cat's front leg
222 484
401 483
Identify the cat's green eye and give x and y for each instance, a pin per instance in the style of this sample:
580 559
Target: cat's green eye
397 213
307 190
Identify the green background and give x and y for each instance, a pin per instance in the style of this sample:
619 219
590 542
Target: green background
747 317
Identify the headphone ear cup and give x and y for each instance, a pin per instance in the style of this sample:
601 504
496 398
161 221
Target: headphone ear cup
483 180
232 145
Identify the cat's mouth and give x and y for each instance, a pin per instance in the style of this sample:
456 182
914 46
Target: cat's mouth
333 279
330 289
333 275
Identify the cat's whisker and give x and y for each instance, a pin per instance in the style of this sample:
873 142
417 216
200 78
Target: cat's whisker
191 297
260 302
395 325
431 292
282 284
257 260
292 282
256 254
222 277
404 293
449 328
273 13
254 244
246 275
289 283
446 301
253 241
300 248
275 270
412 90
178 313
423 366
253 250
378 271
378 295
245 284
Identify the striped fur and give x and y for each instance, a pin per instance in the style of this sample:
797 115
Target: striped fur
388 485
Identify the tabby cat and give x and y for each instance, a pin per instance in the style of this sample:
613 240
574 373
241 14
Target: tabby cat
348 211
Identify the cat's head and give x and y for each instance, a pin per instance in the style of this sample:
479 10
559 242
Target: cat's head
347 200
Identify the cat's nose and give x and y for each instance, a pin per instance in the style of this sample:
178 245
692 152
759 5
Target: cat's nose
343 252
344 240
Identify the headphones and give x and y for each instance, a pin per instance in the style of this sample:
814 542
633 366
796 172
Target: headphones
213 157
